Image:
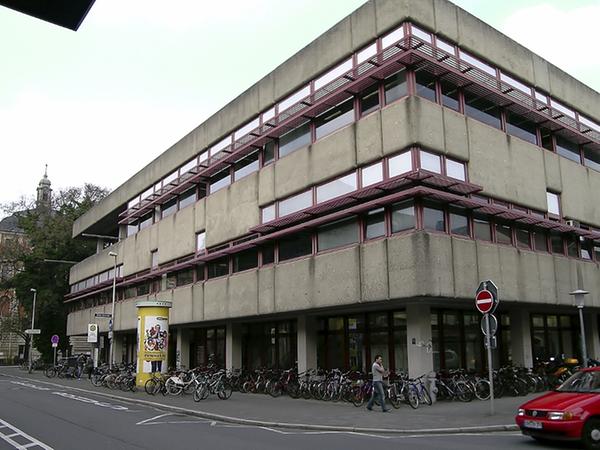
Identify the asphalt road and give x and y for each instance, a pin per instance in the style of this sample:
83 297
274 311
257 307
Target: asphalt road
34 415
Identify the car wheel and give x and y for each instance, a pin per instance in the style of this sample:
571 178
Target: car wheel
591 434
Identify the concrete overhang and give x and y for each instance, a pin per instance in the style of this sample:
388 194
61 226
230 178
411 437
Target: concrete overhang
65 13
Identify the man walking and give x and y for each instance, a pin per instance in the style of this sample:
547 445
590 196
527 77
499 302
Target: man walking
378 373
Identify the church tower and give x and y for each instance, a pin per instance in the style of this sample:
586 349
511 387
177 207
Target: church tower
44 191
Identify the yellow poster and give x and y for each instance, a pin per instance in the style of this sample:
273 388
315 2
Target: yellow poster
153 338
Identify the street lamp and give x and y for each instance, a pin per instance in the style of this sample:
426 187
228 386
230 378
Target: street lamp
111 333
579 294
32 327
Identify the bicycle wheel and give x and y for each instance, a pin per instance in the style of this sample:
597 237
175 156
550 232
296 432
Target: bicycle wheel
424 396
463 392
394 397
274 389
482 389
50 372
150 386
173 388
199 392
411 396
293 389
224 391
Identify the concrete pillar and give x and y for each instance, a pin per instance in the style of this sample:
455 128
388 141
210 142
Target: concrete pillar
233 346
592 338
118 351
182 357
520 338
418 334
307 343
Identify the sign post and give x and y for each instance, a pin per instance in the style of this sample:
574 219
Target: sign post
54 340
486 301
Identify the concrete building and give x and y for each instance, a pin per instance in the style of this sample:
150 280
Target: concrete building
350 202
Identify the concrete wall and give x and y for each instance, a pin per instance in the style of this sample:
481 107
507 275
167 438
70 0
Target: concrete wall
418 264
372 19
506 167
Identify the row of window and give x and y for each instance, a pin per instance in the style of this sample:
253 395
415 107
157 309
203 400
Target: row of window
486 111
390 167
96 279
393 87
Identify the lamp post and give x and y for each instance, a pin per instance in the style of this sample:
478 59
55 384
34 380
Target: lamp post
579 294
111 323
32 327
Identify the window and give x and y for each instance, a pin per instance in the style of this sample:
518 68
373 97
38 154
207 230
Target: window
375 223
269 153
146 220
220 180
369 99
218 267
425 85
337 117
520 127
556 241
459 222
299 245
184 277
168 208
591 158
403 216
455 169
154 259
400 164
597 250
201 242
187 198
430 162
293 140
481 109
245 260
481 228
503 234
523 238
245 166
372 174
540 240
337 234
553 203
567 149
433 218
572 248
268 213
268 254
200 272
295 203
449 95
132 228
395 87
587 248
337 187
546 136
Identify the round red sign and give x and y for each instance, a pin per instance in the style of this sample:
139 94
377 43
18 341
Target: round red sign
484 301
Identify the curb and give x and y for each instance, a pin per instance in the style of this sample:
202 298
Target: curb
287 425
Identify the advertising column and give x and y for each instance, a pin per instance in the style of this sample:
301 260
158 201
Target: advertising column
153 338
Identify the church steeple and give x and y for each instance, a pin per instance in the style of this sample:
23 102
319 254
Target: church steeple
44 192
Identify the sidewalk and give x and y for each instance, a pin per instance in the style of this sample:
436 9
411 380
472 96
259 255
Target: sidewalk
263 410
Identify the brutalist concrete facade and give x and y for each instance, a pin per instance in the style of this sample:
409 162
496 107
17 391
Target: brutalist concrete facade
417 272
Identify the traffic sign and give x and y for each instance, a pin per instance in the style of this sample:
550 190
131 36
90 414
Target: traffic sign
33 331
489 327
105 315
486 297
54 345
54 339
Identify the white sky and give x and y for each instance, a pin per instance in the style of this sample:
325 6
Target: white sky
98 104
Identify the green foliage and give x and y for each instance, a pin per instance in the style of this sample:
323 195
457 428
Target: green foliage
48 235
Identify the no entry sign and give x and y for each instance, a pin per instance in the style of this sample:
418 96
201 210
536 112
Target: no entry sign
486 298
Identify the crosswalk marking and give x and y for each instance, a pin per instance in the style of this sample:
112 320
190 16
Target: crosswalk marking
33 442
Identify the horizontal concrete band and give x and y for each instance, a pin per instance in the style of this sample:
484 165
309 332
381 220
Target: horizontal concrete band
296 426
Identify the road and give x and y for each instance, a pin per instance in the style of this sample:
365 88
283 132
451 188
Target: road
36 415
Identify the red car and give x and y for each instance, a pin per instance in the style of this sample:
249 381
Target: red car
571 412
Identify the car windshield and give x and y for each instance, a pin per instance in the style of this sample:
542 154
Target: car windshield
582 381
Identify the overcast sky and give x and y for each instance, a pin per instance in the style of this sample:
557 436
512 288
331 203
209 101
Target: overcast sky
98 104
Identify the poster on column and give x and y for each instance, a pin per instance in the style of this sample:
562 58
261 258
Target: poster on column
155 343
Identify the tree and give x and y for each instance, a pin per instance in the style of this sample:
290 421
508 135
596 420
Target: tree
48 236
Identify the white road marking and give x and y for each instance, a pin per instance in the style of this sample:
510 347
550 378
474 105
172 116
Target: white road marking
33 442
91 401
151 419
32 386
